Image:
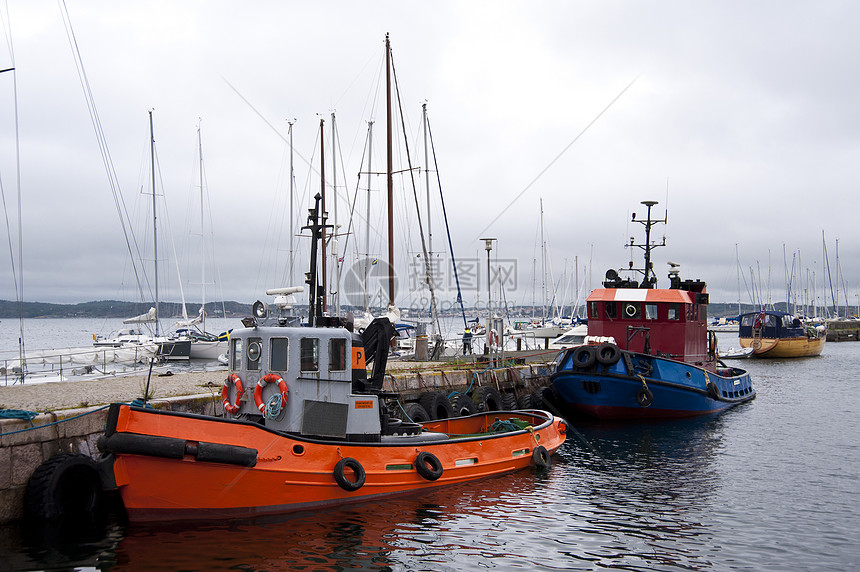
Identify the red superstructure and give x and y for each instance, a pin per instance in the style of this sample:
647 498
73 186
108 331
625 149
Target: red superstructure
668 322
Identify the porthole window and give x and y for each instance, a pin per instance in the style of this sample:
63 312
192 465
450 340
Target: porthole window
631 310
255 350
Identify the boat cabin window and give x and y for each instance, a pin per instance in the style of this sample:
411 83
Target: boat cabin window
279 354
632 310
674 311
337 354
650 311
611 310
310 351
592 310
236 354
255 351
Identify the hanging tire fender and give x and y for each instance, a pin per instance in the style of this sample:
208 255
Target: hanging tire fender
348 463
644 397
541 457
713 390
66 487
428 465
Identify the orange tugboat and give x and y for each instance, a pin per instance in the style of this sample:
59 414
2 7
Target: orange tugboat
305 427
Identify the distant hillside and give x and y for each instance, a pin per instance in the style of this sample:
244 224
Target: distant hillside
116 309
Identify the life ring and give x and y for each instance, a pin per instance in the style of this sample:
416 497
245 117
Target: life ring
230 407
340 474
584 357
428 466
266 379
631 310
540 457
494 338
644 397
607 353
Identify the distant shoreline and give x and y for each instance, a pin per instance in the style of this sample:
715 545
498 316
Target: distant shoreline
118 309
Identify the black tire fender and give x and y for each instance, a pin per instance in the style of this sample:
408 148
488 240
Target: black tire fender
348 463
488 398
65 487
541 457
437 405
463 405
713 390
607 353
428 466
416 413
584 357
644 397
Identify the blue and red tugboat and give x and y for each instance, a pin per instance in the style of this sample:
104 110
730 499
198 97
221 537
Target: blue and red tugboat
663 363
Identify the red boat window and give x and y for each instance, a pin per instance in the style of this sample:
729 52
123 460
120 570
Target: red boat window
279 351
650 311
310 350
592 310
674 311
337 354
255 351
611 309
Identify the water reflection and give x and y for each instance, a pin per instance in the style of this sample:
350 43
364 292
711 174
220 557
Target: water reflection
642 491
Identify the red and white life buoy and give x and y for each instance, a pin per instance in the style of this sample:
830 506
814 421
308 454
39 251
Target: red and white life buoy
232 408
265 380
494 338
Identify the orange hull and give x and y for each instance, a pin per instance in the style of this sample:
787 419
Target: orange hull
291 473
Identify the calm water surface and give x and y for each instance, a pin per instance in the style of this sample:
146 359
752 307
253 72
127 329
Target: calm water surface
768 485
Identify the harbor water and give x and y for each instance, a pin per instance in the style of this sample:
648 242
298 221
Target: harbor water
769 485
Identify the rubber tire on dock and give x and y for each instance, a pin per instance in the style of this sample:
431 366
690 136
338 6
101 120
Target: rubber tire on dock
463 405
488 399
509 401
543 398
525 401
65 487
416 413
437 405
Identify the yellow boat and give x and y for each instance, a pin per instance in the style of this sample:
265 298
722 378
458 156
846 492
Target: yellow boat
774 334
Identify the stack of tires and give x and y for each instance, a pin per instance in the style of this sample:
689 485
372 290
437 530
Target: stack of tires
435 405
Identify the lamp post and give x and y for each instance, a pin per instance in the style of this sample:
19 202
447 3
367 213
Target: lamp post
488 246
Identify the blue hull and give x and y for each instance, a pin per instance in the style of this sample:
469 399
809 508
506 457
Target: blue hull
629 385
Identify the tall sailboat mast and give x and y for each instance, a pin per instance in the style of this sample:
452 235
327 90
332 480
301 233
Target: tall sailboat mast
367 215
154 218
388 171
202 237
292 214
324 214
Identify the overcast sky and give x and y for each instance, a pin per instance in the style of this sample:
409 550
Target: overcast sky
744 117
